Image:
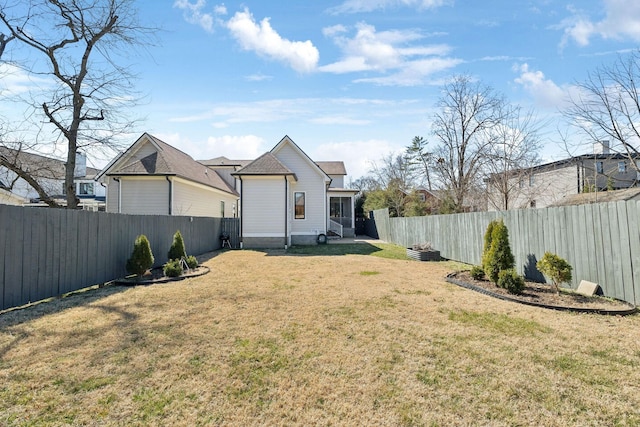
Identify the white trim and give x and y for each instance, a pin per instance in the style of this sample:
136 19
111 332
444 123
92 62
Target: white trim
264 235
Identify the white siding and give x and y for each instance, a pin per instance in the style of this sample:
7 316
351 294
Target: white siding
145 195
310 181
263 207
112 195
198 200
337 181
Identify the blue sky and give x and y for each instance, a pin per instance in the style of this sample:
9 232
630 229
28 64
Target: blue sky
355 80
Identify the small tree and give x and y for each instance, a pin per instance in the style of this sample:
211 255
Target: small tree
141 258
499 256
487 243
177 250
556 268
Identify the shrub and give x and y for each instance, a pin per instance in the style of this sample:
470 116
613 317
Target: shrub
141 257
556 268
487 242
177 250
511 281
173 268
477 272
192 262
499 256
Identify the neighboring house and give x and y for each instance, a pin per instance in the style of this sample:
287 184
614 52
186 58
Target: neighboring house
152 177
548 184
288 199
49 173
628 194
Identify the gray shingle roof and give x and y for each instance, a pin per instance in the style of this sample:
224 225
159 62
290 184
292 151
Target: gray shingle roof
169 160
332 168
224 161
267 164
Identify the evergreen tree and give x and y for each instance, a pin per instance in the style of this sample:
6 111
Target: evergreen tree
500 256
141 258
177 250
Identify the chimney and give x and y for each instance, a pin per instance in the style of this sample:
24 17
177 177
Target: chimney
601 147
81 165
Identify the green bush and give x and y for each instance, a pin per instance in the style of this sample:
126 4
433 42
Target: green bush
511 281
173 268
556 268
487 241
499 257
192 262
141 257
477 272
177 250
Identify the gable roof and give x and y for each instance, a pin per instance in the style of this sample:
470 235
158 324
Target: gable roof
165 161
333 168
40 166
288 141
267 164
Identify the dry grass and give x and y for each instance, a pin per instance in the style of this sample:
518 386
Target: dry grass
268 339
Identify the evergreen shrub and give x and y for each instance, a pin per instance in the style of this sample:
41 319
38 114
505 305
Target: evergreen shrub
177 250
141 257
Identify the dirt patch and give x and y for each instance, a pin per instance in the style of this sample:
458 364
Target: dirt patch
544 295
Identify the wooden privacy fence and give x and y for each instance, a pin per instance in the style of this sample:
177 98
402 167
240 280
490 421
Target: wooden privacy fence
601 241
48 252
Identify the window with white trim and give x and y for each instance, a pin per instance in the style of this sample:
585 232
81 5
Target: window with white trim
299 201
86 189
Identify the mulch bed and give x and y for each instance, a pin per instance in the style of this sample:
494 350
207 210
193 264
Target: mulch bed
543 295
156 275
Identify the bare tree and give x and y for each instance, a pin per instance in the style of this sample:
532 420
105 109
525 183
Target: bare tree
515 149
607 106
389 184
469 111
74 45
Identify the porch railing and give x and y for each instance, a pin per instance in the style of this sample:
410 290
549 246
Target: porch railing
335 227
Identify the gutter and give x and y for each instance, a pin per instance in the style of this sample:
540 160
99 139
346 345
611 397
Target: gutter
241 213
286 211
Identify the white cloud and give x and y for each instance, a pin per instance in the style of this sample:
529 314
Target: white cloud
544 91
265 41
259 77
193 13
339 120
621 21
15 81
243 147
358 156
355 6
389 51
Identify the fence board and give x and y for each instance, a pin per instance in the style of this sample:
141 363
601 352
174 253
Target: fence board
46 252
601 241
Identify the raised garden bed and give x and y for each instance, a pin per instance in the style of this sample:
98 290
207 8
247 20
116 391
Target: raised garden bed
424 255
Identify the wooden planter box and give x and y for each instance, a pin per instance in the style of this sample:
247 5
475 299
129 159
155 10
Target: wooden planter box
423 255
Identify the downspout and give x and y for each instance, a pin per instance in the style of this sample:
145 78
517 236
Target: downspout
170 194
240 211
286 211
119 194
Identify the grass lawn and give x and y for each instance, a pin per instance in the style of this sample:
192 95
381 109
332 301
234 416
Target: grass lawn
297 338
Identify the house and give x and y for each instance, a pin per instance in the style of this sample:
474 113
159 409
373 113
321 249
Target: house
288 199
49 173
152 177
625 195
282 197
548 184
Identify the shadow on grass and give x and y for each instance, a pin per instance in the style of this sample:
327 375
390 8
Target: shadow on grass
334 249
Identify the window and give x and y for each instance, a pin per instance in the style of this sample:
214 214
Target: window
222 209
423 197
600 167
299 204
622 166
86 189
532 180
